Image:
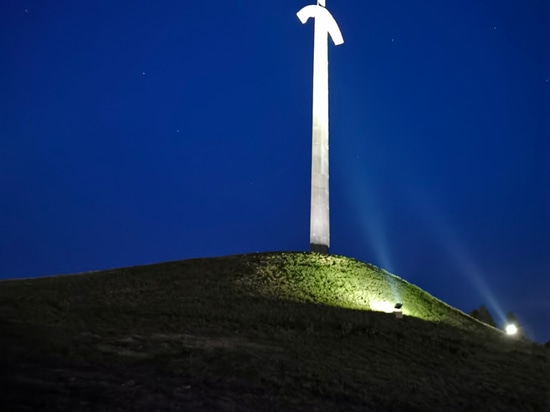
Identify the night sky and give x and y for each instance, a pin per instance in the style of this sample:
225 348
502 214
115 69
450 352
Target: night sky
135 132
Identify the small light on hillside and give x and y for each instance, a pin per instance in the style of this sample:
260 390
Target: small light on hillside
511 329
381 306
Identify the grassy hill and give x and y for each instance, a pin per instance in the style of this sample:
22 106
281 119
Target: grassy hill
268 331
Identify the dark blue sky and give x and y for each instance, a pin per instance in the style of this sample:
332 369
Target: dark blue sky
134 132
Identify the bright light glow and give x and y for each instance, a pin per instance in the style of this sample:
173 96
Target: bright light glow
511 329
382 306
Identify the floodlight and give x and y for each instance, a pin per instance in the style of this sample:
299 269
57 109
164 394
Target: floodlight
511 329
397 311
381 306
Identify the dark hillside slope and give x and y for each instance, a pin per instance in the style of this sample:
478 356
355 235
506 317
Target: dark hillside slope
270 331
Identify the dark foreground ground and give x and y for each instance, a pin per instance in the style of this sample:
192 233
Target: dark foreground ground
181 336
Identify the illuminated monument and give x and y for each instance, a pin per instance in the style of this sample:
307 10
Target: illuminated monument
325 25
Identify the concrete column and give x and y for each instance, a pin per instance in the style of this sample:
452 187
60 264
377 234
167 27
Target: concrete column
325 25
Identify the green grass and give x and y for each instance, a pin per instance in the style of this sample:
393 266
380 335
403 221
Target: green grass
268 331
347 283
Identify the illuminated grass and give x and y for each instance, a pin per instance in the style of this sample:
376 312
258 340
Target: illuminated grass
347 283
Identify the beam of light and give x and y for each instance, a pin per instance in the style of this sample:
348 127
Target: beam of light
367 210
475 274
393 286
448 237
372 223
365 200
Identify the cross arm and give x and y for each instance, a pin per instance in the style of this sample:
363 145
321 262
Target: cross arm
324 17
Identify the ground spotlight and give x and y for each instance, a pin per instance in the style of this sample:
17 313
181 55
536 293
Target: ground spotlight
397 311
511 329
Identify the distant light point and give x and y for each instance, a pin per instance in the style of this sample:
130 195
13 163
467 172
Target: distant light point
511 329
177 131
26 10
143 73
494 27
392 40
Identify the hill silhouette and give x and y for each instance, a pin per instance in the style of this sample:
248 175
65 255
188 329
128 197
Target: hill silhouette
266 331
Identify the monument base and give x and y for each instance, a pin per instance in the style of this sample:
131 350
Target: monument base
318 248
